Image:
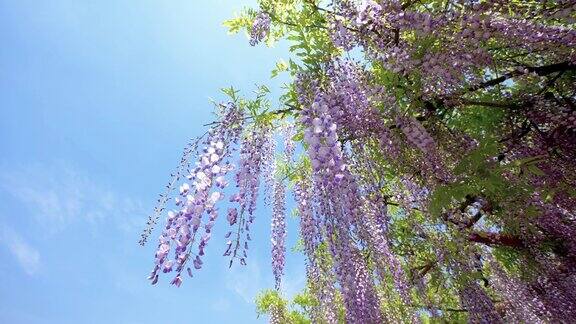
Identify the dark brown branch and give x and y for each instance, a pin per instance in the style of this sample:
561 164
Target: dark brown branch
396 36
551 82
539 70
423 270
408 3
284 111
274 112
516 135
489 104
392 203
496 239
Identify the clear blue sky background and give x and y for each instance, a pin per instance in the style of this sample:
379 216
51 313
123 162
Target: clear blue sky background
97 100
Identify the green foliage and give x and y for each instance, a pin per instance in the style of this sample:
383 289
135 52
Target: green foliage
269 301
487 116
242 21
281 66
476 121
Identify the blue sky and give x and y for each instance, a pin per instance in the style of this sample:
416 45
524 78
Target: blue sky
97 100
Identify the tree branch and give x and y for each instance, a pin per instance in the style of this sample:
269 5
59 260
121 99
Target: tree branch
274 112
408 4
539 70
489 104
497 239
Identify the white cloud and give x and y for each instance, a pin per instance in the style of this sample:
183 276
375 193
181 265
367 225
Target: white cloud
26 255
221 305
58 195
246 281
293 284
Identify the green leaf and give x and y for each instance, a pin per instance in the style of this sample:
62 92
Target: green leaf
281 66
243 21
231 92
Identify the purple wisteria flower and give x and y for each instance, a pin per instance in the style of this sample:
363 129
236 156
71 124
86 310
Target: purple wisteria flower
260 28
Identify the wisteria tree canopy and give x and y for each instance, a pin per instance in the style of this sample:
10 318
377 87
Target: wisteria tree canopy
430 147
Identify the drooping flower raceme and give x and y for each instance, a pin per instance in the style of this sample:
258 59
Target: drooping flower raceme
253 160
260 28
278 224
320 279
198 198
278 237
336 191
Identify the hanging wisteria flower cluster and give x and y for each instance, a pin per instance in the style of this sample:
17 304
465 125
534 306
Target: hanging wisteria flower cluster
260 28
431 150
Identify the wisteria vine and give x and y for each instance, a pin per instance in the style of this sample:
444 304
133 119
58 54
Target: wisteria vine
431 150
